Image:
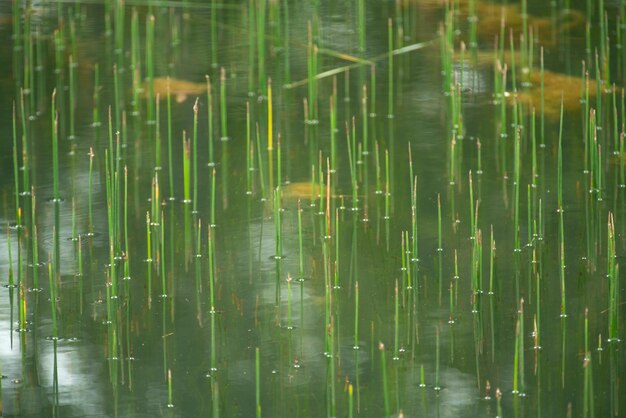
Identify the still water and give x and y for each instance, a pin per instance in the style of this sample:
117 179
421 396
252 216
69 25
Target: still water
306 209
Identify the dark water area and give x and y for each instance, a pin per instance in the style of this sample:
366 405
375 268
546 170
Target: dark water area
306 209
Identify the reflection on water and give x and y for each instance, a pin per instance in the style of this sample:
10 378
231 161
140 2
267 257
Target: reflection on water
436 231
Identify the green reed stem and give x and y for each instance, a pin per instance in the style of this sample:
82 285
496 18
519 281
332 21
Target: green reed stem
149 256
150 66
622 159
72 87
169 388
562 265
387 187
331 360
125 203
260 160
351 163
492 254
560 211
390 68
186 169
356 316
372 91
279 173
333 133
439 244
257 381
170 161
560 162
11 275
277 222
453 165
16 168
451 295
110 158
479 165
361 24
537 262
542 108
604 57
337 239
503 125
437 387
534 172
471 202
300 251
406 254
414 239
260 35
74 235
599 95
34 241
59 51
473 21
383 367
251 26
135 60
447 50
289 311
592 149
516 186
211 258
198 255
270 119
364 120
224 132
615 122
25 154
588 398
22 298
213 179
249 158
312 75
162 261
112 227
540 210
154 198
210 129
520 349
55 149
195 156
214 39
613 279
90 194
457 97
53 298
513 72
379 189
157 134
396 353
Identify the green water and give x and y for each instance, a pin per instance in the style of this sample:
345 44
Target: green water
103 342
